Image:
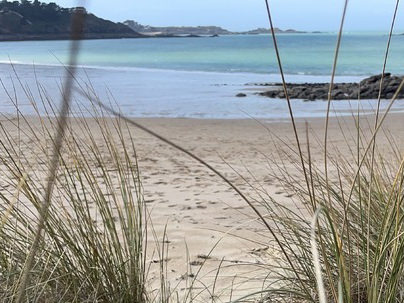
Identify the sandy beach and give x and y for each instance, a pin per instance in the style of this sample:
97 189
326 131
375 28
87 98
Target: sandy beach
206 222
199 209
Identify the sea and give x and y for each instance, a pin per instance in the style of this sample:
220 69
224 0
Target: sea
196 77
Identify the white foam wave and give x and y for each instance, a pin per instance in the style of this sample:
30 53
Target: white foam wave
269 77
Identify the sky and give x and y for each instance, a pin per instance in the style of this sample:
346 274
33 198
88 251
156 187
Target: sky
239 15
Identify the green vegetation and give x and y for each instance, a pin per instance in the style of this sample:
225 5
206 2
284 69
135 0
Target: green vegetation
92 248
357 228
36 20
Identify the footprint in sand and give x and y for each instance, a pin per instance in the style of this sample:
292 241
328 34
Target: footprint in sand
196 263
204 257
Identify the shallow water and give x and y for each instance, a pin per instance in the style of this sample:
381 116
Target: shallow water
198 77
302 54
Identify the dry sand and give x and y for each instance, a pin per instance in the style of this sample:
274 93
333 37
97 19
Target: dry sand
199 209
200 212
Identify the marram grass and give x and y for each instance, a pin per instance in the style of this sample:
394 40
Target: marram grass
347 246
92 248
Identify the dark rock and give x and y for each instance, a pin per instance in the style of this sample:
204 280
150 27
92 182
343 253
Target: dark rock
368 88
353 96
312 97
241 95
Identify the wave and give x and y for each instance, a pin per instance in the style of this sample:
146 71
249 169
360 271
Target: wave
272 76
11 62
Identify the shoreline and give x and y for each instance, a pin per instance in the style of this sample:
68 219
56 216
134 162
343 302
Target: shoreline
258 120
136 35
171 94
101 36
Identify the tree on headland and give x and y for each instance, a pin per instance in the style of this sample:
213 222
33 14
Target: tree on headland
38 18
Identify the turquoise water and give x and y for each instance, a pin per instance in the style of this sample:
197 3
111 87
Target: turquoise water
197 77
302 54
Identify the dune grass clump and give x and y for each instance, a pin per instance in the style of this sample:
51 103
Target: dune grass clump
344 237
92 246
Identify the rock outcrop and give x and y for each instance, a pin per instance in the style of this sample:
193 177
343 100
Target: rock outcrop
367 89
260 31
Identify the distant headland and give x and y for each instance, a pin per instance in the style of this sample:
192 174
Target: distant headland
198 30
35 20
26 20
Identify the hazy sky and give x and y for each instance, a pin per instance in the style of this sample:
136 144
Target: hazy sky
247 14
